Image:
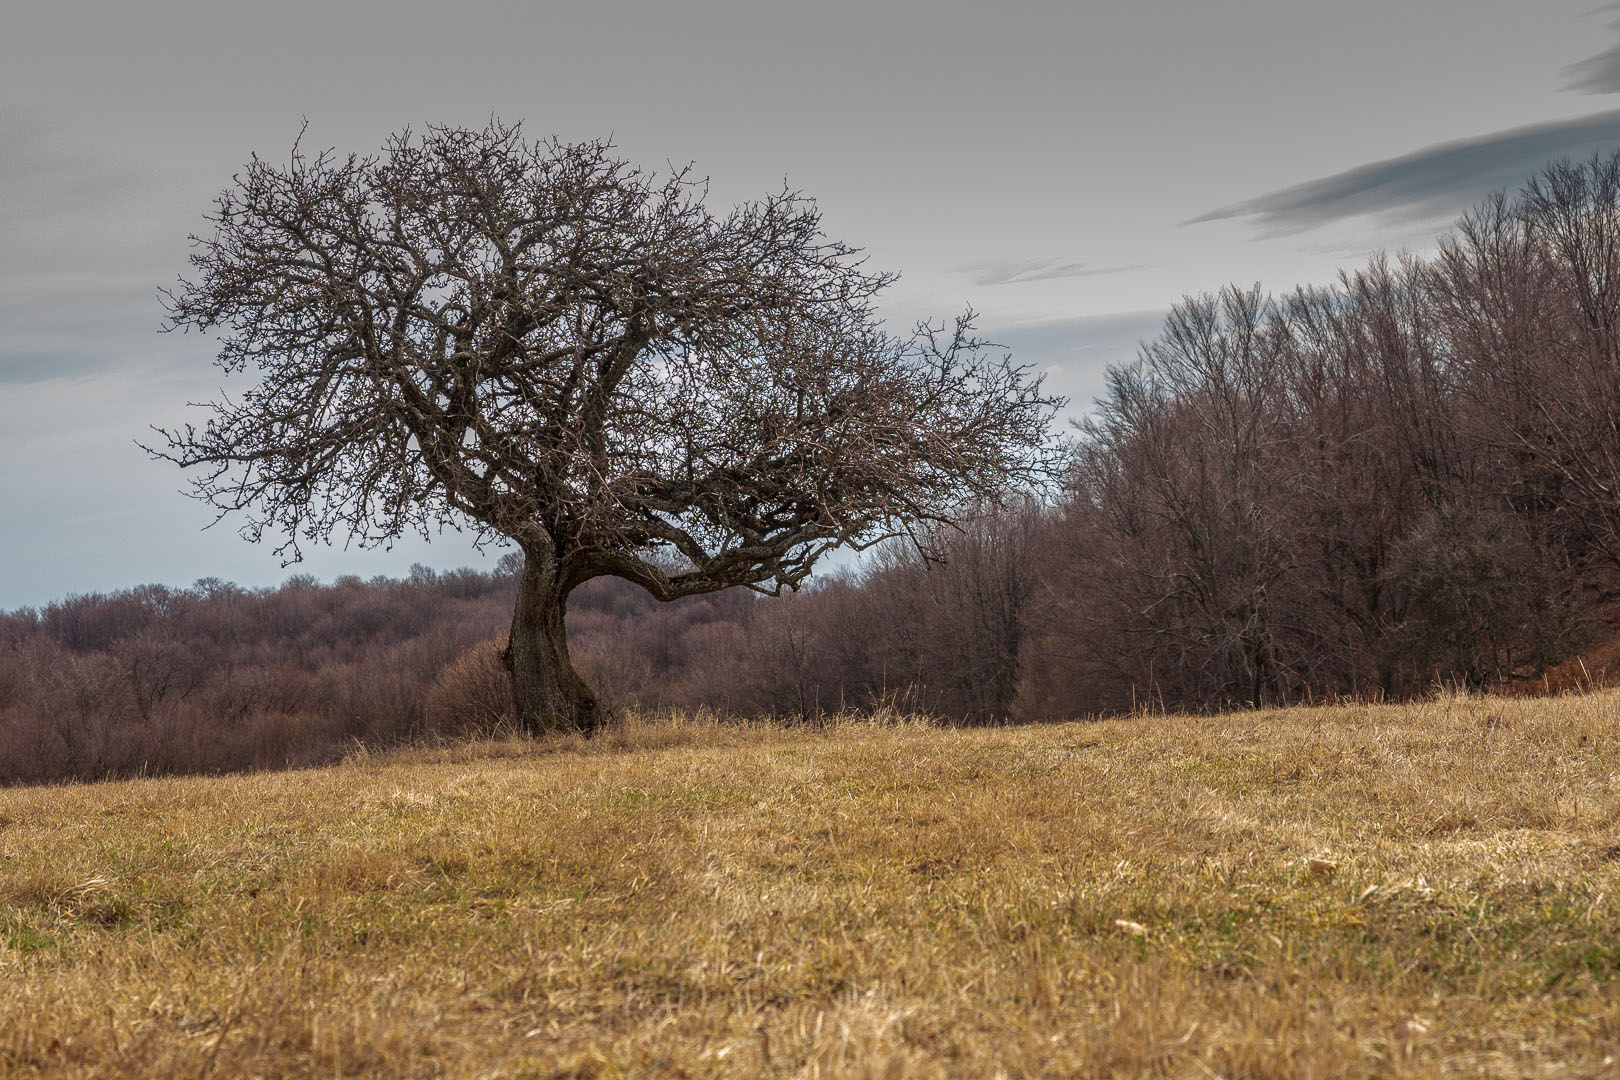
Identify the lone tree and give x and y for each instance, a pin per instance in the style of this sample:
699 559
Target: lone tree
546 343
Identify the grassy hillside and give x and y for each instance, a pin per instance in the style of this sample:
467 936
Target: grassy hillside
1392 891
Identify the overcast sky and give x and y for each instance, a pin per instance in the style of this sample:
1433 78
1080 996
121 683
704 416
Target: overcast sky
1069 170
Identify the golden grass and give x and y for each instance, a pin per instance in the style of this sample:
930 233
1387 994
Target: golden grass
1357 891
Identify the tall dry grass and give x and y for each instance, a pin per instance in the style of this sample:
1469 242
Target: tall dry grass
1403 891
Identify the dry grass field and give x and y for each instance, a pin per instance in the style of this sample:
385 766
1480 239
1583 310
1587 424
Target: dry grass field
1362 891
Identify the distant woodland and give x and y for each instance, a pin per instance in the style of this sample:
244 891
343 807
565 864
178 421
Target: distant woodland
1407 480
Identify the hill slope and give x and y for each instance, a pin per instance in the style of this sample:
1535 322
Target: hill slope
1352 891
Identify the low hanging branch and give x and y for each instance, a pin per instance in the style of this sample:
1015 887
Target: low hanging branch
541 341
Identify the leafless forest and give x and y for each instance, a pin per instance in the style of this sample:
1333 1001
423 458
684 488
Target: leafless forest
1408 479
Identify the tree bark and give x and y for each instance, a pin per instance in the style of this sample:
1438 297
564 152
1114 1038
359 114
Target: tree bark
547 693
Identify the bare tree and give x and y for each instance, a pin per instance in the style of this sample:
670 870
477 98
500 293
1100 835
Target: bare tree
1180 468
541 341
1532 294
959 647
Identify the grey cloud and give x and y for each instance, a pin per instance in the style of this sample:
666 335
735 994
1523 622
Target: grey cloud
1598 74
1430 184
88 239
64 324
40 350
1018 271
1075 353
53 185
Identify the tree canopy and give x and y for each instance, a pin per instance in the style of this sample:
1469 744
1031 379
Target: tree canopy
541 342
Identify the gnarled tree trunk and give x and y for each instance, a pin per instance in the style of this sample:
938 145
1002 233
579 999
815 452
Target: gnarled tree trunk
547 693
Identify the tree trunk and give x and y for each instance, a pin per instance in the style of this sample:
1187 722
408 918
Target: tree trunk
547 693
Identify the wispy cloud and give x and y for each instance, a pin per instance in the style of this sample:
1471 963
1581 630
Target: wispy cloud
1598 74
1430 184
1020 271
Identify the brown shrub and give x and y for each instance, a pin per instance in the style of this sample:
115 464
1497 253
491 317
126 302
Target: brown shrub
473 694
616 667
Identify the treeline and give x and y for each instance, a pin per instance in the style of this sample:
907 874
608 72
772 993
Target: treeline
216 678
1408 479
1405 480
